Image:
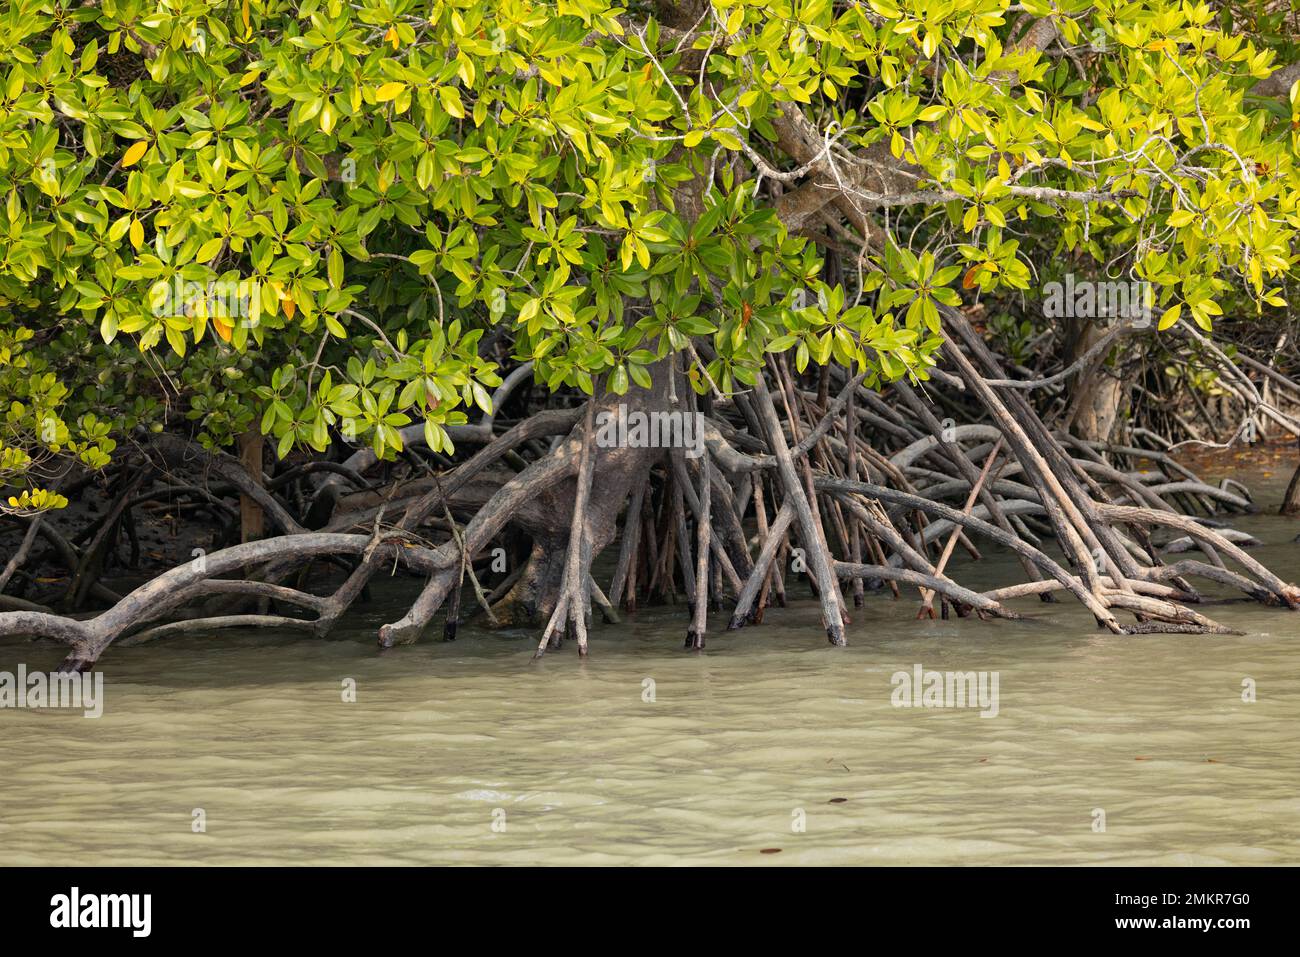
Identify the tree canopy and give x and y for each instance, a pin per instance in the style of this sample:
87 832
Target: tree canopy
317 218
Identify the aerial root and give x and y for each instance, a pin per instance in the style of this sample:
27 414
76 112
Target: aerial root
575 587
812 487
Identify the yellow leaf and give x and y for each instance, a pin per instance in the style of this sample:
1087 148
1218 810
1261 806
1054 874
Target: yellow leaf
245 14
971 279
391 37
1170 316
137 233
221 328
133 154
389 91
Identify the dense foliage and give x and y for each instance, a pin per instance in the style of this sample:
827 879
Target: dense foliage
318 218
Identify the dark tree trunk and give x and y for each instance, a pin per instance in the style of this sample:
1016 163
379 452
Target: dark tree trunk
1291 500
547 519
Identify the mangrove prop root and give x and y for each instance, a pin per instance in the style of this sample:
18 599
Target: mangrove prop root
793 484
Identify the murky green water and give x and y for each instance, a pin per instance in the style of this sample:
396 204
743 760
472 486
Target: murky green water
469 752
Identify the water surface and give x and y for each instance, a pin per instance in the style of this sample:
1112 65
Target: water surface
769 739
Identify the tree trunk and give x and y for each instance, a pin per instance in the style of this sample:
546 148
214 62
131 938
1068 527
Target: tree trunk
251 520
546 520
1291 500
1099 390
